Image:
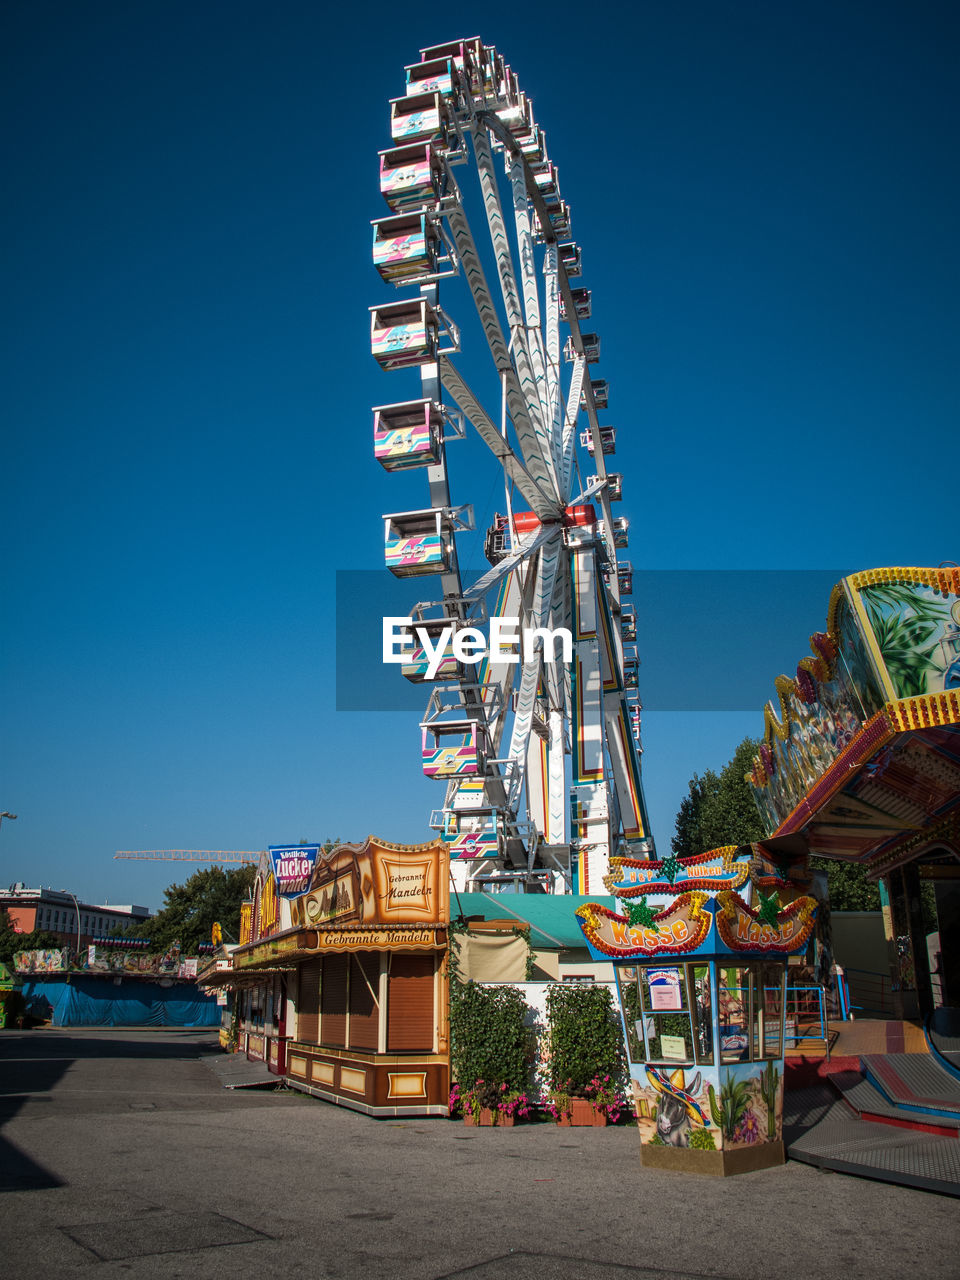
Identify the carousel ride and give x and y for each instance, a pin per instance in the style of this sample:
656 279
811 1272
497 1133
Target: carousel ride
537 747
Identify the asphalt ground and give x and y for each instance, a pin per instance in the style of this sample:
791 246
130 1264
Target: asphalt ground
121 1155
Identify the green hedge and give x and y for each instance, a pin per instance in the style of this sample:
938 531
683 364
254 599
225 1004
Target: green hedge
585 1039
488 1039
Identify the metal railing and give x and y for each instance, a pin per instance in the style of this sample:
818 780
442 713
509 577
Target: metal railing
806 1013
869 994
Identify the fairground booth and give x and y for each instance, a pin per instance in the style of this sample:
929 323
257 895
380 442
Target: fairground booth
113 982
348 975
861 762
701 975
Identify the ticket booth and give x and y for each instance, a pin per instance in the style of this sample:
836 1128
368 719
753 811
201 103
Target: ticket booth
701 977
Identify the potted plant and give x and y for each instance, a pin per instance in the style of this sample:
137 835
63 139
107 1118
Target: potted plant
489 1046
511 1105
585 1053
606 1099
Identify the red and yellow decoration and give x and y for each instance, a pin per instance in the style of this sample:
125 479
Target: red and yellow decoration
715 869
742 928
681 928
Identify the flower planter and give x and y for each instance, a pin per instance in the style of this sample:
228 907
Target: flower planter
487 1117
582 1114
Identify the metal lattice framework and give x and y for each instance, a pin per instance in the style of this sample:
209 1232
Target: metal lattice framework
541 758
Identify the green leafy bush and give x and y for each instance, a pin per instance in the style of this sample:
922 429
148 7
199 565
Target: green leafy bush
489 1041
584 1037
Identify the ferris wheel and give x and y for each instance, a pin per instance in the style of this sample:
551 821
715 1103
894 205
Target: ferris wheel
539 749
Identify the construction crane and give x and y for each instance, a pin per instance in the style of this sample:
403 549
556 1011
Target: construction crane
191 855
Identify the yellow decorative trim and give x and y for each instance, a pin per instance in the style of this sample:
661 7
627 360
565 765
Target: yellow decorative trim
945 581
322 1071
297 1066
928 710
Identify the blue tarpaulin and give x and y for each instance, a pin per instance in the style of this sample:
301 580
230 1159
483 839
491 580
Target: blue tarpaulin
100 1002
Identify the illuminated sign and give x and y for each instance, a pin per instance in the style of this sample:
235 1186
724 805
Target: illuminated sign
742 928
716 869
681 928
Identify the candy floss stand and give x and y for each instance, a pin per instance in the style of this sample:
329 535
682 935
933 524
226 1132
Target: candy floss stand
702 995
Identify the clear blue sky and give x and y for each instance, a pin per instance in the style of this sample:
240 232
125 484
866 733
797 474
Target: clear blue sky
766 197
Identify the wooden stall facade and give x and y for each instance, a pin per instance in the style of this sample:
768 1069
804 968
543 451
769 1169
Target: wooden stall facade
366 978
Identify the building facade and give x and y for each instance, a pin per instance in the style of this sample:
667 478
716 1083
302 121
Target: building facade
73 922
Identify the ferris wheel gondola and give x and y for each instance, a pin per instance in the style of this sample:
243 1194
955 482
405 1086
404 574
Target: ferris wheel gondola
541 758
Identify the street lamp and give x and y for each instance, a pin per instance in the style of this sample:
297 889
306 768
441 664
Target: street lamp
77 906
6 814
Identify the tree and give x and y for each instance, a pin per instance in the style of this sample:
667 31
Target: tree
848 886
720 808
11 941
190 909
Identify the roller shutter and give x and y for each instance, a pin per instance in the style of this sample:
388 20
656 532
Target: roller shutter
410 1012
333 1001
364 1013
308 1002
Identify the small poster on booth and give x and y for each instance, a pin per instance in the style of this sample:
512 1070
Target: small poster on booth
665 990
673 1049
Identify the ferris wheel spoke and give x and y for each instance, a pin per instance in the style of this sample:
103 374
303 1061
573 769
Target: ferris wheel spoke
534 493
552 339
537 444
480 290
531 296
569 437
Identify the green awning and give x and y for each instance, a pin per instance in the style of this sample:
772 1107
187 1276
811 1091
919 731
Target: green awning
553 924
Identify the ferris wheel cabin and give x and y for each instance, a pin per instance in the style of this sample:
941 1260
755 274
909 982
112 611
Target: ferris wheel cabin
591 348
420 117
621 529
407 435
411 177
406 247
416 668
628 623
466 56
600 388
405 334
624 576
452 749
608 440
582 308
417 543
571 258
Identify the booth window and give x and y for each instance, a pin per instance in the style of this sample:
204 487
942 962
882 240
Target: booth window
667 1012
410 1004
733 996
751 1011
768 1010
364 1003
